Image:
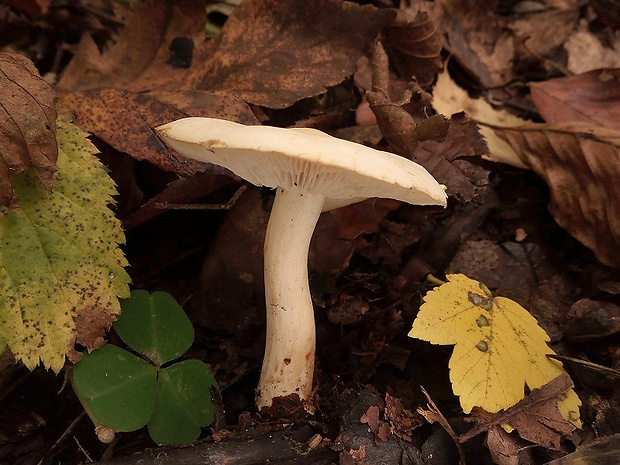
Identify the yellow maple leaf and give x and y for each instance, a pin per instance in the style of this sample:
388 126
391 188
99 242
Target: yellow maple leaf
499 349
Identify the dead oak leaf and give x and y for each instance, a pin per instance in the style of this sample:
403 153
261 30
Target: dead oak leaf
274 53
27 124
581 165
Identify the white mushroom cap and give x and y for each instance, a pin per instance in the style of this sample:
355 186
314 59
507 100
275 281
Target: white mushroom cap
342 171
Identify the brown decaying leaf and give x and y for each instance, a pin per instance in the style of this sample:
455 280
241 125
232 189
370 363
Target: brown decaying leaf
590 98
120 95
446 159
274 52
27 124
379 427
507 449
104 112
414 45
536 418
30 7
493 47
581 165
363 217
476 37
125 120
139 59
402 421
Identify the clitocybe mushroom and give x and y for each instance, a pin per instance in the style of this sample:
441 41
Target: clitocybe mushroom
312 172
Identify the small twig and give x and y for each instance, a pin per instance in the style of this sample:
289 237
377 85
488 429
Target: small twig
584 363
63 436
213 206
81 448
432 415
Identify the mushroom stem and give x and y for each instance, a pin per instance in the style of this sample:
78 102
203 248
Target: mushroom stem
288 366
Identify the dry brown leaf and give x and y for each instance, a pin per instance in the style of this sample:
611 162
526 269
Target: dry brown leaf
363 217
125 120
27 124
494 48
414 46
539 34
379 428
31 8
446 159
402 421
537 417
507 449
476 37
581 166
274 53
141 58
586 52
590 98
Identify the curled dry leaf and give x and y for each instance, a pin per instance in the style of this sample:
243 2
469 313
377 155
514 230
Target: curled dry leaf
27 124
402 421
414 45
590 98
581 165
495 48
476 37
275 53
438 144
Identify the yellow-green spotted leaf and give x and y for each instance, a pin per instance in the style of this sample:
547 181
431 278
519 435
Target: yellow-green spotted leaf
499 349
59 255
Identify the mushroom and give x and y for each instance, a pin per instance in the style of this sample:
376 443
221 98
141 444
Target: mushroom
312 172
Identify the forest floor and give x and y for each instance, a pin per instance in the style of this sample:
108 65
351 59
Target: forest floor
539 227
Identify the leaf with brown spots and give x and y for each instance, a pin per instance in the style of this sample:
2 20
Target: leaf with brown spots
27 124
274 53
60 257
499 348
